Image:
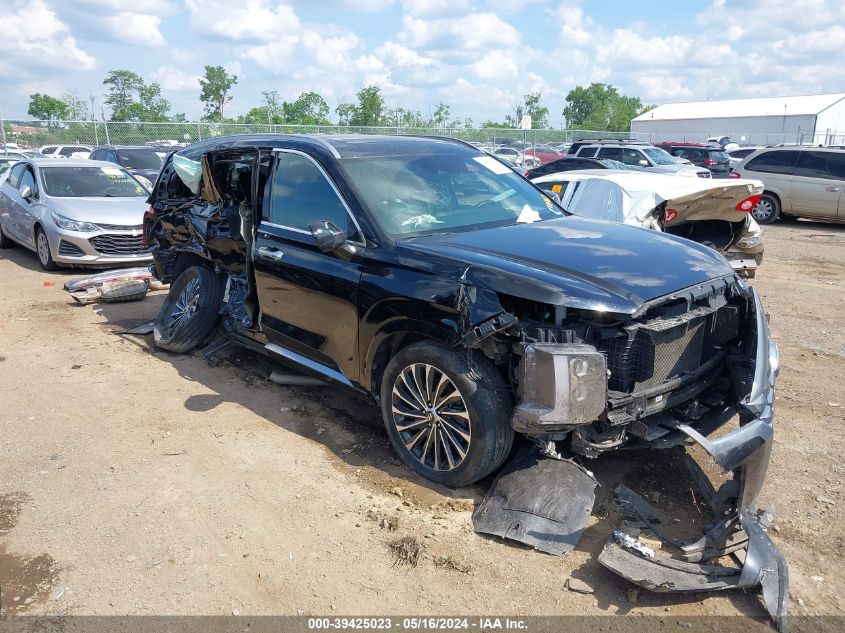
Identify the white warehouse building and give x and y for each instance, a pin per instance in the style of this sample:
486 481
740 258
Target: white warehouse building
813 119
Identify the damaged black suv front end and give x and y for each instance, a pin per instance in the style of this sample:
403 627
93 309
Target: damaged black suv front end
674 373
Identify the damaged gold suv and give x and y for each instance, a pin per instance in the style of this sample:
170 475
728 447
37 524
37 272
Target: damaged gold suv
428 276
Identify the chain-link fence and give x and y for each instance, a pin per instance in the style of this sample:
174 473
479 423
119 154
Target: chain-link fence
92 133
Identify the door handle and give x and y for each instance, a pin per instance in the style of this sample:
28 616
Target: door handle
270 253
834 189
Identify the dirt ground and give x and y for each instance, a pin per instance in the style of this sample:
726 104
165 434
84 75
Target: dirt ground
133 481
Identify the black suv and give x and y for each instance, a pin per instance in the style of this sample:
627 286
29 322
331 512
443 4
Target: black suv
707 155
141 161
427 276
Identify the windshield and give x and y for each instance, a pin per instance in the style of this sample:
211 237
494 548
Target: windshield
90 182
5 164
615 164
443 193
658 156
140 159
719 155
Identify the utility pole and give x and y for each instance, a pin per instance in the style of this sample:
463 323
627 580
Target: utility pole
94 119
105 125
2 129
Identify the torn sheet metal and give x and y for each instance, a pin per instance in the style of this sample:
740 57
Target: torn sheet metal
542 502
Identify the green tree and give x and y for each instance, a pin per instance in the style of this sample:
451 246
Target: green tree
151 106
46 108
370 107
441 116
529 105
215 87
77 108
495 124
122 87
308 109
345 112
601 107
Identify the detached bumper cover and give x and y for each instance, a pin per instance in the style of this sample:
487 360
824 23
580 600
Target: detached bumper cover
738 525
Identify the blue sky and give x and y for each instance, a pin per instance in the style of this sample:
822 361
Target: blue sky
479 56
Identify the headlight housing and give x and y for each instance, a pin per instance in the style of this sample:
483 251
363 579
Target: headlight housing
751 240
73 225
563 386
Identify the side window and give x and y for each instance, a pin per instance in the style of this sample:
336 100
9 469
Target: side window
67 151
587 152
15 175
28 180
111 157
301 194
613 153
777 162
632 156
48 150
829 165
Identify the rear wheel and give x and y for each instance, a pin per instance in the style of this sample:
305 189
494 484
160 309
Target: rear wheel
190 311
447 414
42 249
767 210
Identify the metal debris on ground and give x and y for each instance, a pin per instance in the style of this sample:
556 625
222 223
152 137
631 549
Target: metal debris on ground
127 284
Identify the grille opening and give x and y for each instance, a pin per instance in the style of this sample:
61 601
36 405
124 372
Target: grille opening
111 244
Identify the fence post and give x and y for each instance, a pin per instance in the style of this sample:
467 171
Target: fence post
199 131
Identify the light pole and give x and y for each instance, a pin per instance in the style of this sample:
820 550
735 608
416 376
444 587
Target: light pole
94 119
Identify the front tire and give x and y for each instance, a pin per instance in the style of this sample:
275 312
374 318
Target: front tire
42 249
190 310
447 413
767 210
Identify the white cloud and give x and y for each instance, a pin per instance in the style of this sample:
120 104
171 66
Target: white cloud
140 29
34 37
174 79
253 20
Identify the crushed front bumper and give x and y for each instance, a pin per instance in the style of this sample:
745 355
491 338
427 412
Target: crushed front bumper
738 526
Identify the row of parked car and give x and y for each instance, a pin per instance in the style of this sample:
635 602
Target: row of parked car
82 210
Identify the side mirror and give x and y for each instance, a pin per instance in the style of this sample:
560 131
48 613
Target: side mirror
642 163
26 192
329 238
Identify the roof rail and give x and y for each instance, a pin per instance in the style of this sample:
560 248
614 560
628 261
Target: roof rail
622 141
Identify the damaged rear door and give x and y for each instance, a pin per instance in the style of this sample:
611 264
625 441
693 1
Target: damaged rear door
308 296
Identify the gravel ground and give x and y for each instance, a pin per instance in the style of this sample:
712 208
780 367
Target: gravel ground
138 482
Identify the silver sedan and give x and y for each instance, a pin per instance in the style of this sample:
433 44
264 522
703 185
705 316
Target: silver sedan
73 212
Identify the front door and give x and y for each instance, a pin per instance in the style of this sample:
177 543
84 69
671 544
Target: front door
308 298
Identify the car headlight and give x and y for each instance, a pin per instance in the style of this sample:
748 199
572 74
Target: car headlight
145 182
751 240
73 225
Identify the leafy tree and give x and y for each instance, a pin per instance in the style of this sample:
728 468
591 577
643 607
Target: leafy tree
151 106
529 105
495 124
272 108
370 108
345 112
441 116
46 108
122 86
601 107
77 108
215 86
308 109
